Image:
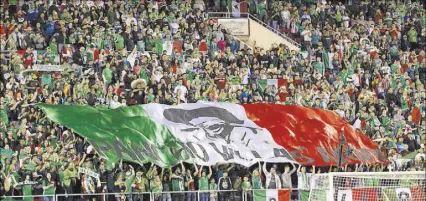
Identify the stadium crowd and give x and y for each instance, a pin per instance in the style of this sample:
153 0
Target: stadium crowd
368 67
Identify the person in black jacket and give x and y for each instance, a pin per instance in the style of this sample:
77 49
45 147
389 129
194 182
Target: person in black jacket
224 184
91 100
273 58
263 58
390 97
411 142
77 57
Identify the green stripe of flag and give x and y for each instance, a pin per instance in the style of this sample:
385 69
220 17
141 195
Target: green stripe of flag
304 195
123 133
259 195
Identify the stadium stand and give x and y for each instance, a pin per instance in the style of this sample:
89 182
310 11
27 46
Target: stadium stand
369 67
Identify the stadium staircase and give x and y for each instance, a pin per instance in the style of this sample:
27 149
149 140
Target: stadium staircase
260 34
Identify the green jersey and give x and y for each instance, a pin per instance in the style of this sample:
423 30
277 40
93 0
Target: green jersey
144 74
129 182
189 75
61 177
119 42
404 103
158 45
177 184
257 182
149 44
70 176
4 117
107 73
107 43
27 190
51 56
261 8
320 67
53 47
412 36
212 187
156 187
385 121
46 79
246 185
51 190
203 183
338 17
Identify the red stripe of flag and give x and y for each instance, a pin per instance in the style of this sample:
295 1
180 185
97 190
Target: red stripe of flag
311 135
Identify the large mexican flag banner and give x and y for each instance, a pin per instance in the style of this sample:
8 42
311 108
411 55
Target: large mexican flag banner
208 132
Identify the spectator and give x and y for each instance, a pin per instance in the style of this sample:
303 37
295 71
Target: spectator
286 176
224 185
273 181
177 184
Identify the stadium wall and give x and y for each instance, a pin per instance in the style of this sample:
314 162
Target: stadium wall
263 37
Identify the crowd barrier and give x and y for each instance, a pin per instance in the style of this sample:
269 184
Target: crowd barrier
105 197
207 195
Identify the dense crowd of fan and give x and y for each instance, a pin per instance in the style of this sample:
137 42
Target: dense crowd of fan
368 67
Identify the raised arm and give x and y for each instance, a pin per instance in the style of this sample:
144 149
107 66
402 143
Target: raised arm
171 174
149 173
82 160
210 172
230 168
133 171
197 171
293 169
264 169
259 166
298 169
183 167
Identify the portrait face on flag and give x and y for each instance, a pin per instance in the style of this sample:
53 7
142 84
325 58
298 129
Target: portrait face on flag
222 130
214 123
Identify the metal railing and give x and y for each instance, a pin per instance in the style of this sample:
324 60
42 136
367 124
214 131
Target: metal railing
252 17
25 197
226 15
199 195
104 196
